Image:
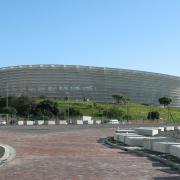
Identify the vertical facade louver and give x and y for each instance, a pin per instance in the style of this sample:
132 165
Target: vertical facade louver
95 83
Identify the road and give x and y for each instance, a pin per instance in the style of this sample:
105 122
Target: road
74 153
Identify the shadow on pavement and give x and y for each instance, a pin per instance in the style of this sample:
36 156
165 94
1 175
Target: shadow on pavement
167 178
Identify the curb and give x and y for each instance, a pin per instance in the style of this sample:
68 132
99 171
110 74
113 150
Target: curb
135 149
9 154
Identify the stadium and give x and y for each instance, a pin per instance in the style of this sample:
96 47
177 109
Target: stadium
95 83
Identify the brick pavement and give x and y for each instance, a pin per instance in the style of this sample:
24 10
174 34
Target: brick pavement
75 155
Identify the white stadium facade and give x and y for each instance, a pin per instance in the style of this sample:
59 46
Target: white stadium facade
95 83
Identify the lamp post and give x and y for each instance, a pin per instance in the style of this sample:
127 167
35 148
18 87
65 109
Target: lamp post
7 102
7 95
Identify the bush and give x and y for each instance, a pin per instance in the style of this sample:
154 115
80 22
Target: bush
153 115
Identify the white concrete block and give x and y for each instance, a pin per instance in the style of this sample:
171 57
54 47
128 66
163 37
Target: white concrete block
175 150
40 122
20 123
135 141
147 131
163 147
177 127
161 129
29 123
169 128
125 131
121 136
90 122
98 121
63 122
79 122
147 142
51 122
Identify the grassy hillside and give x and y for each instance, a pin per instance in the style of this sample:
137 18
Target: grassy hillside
134 111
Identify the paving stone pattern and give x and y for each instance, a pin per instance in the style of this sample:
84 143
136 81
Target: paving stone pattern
76 154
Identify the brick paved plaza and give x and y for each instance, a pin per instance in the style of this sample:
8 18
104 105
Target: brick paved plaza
74 154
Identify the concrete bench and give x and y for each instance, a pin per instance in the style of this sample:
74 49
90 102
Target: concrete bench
163 147
147 131
147 142
169 128
175 150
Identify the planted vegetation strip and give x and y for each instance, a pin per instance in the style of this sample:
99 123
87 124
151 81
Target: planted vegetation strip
2 150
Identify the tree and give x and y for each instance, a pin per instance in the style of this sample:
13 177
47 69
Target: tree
9 110
43 97
23 105
11 101
166 101
124 99
46 108
121 99
117 98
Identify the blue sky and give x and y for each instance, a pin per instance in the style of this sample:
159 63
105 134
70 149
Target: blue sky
130 34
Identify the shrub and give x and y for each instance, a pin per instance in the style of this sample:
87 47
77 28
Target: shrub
153 115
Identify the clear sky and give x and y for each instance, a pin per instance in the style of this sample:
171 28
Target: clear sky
130 34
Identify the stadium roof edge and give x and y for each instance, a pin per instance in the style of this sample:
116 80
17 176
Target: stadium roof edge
83 66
